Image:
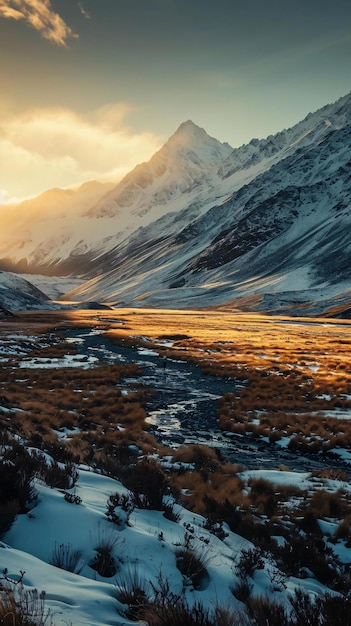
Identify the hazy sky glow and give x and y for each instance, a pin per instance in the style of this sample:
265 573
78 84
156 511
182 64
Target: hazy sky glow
91 88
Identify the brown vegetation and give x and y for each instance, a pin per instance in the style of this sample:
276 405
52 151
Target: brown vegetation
292 380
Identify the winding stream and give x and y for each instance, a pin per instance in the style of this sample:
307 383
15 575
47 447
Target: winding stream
184 410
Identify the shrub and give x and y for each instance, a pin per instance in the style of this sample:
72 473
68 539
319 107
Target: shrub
242 589
20 607
328 504
179 613
17 472
266 612
305 610
334 610
224 616
104 562
343 531
133 591
66 558
201 456
8 514
308 552
215 526
148 484
331 473
263 495
309 523
250 561
59 476
192 565
119 508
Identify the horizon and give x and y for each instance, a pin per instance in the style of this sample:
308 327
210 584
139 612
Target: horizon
104 86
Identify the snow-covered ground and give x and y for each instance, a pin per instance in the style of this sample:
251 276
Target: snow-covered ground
146 546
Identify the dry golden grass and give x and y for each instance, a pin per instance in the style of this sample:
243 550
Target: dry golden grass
318 347
196 486
296 372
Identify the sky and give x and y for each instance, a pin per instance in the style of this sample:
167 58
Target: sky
90 88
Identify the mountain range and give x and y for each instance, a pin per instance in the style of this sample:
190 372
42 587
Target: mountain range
262 227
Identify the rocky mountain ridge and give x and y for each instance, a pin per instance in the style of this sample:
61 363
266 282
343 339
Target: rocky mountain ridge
201 224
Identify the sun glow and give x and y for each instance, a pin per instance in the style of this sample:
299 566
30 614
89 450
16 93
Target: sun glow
56 147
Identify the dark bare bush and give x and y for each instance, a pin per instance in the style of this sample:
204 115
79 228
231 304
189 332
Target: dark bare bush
192 564
215 526
309 523
263 495
148 484
249 562
179 613
334 610
171 512
65 557
116 457
305 610
58 475
133 591
8 513
104 562
308 553
267 612
242 589
17 472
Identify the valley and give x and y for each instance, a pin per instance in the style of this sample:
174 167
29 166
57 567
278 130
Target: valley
157 433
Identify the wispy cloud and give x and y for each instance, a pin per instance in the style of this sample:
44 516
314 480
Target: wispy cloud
46 148
84 12
40 15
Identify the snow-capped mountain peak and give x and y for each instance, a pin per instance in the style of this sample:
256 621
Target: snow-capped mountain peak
191 138
189 157
201 223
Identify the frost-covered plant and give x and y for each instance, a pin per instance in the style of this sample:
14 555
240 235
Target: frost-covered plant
21 607
119 508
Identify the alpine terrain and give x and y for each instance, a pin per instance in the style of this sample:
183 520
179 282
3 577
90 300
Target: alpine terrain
265 226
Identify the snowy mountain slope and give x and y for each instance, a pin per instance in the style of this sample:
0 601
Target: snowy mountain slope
189 158
61 232
291 220
64 231
310 131
41 230
17 293
201 223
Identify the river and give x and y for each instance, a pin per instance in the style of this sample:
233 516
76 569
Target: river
184 409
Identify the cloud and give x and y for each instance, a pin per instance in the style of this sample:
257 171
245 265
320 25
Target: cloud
45 148
83 11
40 15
